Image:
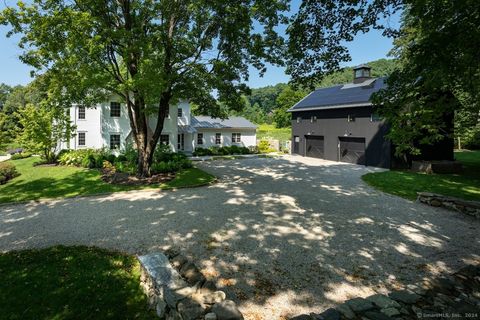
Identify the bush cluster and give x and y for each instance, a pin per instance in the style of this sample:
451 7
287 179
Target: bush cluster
87 158
164 160
222 151
7 172
264 147
170 162
21 155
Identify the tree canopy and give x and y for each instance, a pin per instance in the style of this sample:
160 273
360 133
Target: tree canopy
438 74
151 53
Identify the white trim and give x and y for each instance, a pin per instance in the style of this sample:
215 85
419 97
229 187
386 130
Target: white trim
338 106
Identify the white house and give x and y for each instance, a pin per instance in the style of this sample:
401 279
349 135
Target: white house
107 125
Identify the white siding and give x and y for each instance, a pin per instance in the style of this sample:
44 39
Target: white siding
248 137
114 125
90 125
99 125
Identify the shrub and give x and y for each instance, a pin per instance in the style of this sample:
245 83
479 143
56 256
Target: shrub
111 158
7 172
221 151
88 158
125 167
163 153
22 155
121 158
244 150
99 158
108 168
62 152
214 150
75 157
89 161
130 154
264 147
199 151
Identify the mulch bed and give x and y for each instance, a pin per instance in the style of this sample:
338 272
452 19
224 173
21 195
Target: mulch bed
121 178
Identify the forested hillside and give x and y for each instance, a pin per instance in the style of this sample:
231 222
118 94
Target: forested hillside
269 104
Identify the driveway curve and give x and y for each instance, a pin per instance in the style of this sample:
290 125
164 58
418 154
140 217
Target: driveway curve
281 236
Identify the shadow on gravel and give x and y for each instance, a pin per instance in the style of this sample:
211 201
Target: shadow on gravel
280 236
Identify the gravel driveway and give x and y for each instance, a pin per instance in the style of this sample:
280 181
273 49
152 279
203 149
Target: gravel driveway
281 236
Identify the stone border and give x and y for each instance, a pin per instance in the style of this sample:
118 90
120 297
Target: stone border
471 208
456 296
177 290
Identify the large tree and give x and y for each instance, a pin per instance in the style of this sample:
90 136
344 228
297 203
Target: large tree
151 53
439 73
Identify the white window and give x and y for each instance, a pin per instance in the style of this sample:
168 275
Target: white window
114 141
81 112
81 138
114 109
299 119
218 138
199 138
179 112
236 137
313 119
164 139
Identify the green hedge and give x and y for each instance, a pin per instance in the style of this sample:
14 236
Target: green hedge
222 151
164 160
21 155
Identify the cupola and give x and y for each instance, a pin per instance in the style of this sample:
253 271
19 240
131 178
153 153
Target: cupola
361 73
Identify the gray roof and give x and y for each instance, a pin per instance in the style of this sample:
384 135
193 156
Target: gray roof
186 129
340 96
217 123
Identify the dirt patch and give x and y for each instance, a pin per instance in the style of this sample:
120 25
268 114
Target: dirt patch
122 178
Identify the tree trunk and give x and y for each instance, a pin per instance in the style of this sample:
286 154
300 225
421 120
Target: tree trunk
139 122
144 162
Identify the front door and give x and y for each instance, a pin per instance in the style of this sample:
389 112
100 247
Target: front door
181 142
296 144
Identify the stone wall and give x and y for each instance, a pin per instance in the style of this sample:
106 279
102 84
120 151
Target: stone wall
457 297
471 208
437 166
177 290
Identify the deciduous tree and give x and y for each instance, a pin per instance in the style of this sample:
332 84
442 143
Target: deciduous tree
151 53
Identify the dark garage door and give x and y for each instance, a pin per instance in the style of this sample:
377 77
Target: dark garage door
352 150
314 146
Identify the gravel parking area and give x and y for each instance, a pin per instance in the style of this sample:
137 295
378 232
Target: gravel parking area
282 236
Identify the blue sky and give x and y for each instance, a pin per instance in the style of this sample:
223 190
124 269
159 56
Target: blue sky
365 47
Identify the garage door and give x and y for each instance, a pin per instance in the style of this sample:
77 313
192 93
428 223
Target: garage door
352 150
314 146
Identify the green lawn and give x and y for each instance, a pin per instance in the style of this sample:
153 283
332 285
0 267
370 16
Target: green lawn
265 131
406 184
71 283
60 181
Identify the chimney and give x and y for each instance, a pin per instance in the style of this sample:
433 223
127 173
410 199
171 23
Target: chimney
361 73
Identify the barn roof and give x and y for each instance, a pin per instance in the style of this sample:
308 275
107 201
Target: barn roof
340 96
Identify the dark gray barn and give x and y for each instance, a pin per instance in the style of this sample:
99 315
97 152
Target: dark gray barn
338 123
